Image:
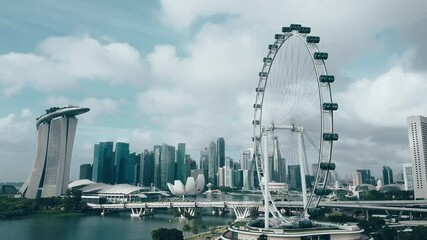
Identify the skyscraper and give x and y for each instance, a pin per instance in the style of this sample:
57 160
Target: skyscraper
228 177
220 144
245 158
357 178
278 165
248 180
213 164
120 157
366 176
181 168
238 178
204 162
221 177
130 175
157 151
146 177
189 164
103 163
294 177
387 175
167 166
407 176
55 138
417 131
85 171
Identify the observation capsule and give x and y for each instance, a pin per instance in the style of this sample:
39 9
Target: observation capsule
286 29
330 106
330 136
272 46
320 55
263 74
327 166
259 89
295 27
255 122
267 59
277 36
313 39
304 30
257 105
326 78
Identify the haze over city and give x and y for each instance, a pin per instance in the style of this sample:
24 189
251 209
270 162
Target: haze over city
170 72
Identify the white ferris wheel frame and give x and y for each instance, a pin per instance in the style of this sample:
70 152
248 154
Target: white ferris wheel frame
261 133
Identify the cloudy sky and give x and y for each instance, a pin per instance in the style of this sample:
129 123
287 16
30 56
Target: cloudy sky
185 71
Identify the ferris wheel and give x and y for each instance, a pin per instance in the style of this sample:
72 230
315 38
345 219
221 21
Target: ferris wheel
293 121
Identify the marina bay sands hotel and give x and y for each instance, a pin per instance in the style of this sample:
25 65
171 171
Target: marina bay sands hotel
55 138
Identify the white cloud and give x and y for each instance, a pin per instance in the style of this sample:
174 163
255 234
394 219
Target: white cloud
26 113
183 14
163 101
6 121
212 60
388 99
17 145
64 61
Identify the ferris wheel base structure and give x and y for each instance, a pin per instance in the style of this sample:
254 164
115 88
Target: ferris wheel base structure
253 230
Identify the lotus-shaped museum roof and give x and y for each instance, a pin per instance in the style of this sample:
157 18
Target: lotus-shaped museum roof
192 187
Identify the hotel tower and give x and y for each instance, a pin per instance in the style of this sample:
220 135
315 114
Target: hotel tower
55 137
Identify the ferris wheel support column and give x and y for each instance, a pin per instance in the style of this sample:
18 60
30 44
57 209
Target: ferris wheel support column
302 167
266 181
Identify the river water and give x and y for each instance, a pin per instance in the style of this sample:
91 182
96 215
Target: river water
111 226
115 226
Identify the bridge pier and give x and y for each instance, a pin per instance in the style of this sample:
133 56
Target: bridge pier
219 210
242 212
188 211
103 212
138 212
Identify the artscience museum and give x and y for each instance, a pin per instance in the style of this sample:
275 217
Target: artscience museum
191 187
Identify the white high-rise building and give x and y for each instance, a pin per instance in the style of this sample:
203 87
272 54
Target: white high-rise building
228 177
248 180
55 138
357 178
246 158
417 132
221 177
407 176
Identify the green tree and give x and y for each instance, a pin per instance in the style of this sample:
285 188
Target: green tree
166 234
195 229
388 233
373 225
186 228
418 233
73 201
339 217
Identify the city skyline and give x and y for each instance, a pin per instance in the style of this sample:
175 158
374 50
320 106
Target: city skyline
157 72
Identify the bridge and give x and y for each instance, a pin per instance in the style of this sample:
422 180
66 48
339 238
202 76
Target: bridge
242 208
